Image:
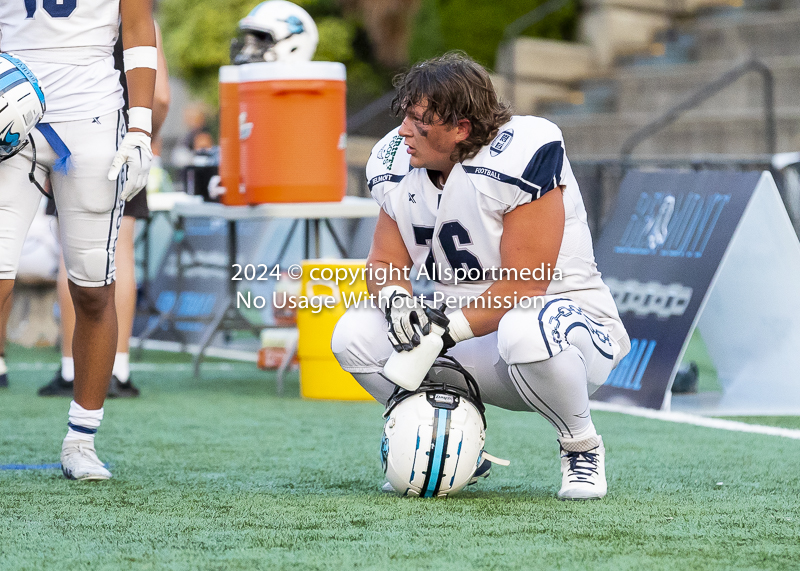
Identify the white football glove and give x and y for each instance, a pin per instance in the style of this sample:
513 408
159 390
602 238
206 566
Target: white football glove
135 152
405 316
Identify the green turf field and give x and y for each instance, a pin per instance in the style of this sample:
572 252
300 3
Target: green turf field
219 473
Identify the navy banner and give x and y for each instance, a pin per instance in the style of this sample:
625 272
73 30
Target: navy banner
659 254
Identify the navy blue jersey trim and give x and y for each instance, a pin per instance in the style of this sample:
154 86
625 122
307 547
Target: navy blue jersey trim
500 177
388 177
544 169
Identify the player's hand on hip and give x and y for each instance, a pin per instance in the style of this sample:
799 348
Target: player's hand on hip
405 316
135 152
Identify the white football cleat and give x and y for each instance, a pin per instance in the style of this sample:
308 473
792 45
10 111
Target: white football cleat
583 474
79 461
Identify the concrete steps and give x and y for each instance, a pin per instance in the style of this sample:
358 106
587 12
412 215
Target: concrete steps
754 34
697 132
655 90
730 122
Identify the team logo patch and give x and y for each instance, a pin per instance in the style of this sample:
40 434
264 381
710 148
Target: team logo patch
444 399
500 142
10 140
389 150
295 25
384 452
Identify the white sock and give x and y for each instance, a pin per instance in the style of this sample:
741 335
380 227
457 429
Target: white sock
68 369
83 424
122 367
3 367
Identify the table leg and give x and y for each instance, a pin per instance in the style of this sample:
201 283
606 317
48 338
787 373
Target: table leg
167 316
336 240
307 241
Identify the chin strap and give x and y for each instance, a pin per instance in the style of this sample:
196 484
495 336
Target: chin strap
495 459
31 175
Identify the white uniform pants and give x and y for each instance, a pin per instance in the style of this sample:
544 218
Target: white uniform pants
89 208
544 359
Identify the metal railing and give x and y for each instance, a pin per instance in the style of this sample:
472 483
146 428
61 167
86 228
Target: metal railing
599 180
706 92
368 113
535 16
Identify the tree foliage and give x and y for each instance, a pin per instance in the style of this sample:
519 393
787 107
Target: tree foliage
197 36
477 26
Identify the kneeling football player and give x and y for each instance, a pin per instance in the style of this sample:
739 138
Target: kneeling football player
469 191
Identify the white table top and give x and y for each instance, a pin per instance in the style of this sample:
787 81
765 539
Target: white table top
166 201
350 207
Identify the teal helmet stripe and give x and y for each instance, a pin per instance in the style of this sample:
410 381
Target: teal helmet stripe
438 454
27 73
10 80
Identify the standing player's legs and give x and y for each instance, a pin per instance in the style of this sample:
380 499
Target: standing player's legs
19 200
89 217
61 384
125 300
121 383
5 313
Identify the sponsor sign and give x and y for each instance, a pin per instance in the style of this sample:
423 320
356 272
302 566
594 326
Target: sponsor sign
659 254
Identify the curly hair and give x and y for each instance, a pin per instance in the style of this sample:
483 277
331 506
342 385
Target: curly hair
453 87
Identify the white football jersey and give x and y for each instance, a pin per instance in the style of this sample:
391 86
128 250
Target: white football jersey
461 226
68 45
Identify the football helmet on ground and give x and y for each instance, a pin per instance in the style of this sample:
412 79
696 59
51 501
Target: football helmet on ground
275 31
22 105
433 437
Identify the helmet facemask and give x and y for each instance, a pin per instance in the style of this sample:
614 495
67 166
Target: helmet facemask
253 46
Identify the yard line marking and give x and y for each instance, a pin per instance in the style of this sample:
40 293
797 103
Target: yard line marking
30 466
697 420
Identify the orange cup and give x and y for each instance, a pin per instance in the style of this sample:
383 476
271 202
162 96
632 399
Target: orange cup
293 132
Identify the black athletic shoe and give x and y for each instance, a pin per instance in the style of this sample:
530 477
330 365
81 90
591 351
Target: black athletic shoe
58 387
3 381
117 389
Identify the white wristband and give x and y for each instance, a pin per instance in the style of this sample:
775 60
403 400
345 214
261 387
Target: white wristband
386 293
140 118
140 56
459 327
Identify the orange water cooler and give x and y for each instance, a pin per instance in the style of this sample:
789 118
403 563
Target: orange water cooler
229 136
292 126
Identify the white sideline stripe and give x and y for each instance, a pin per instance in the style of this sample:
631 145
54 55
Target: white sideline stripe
686 418
176 347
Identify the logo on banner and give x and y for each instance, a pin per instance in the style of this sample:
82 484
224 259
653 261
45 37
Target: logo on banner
628 374
641 299
672 226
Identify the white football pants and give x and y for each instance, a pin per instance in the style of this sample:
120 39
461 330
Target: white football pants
547 360
89 208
